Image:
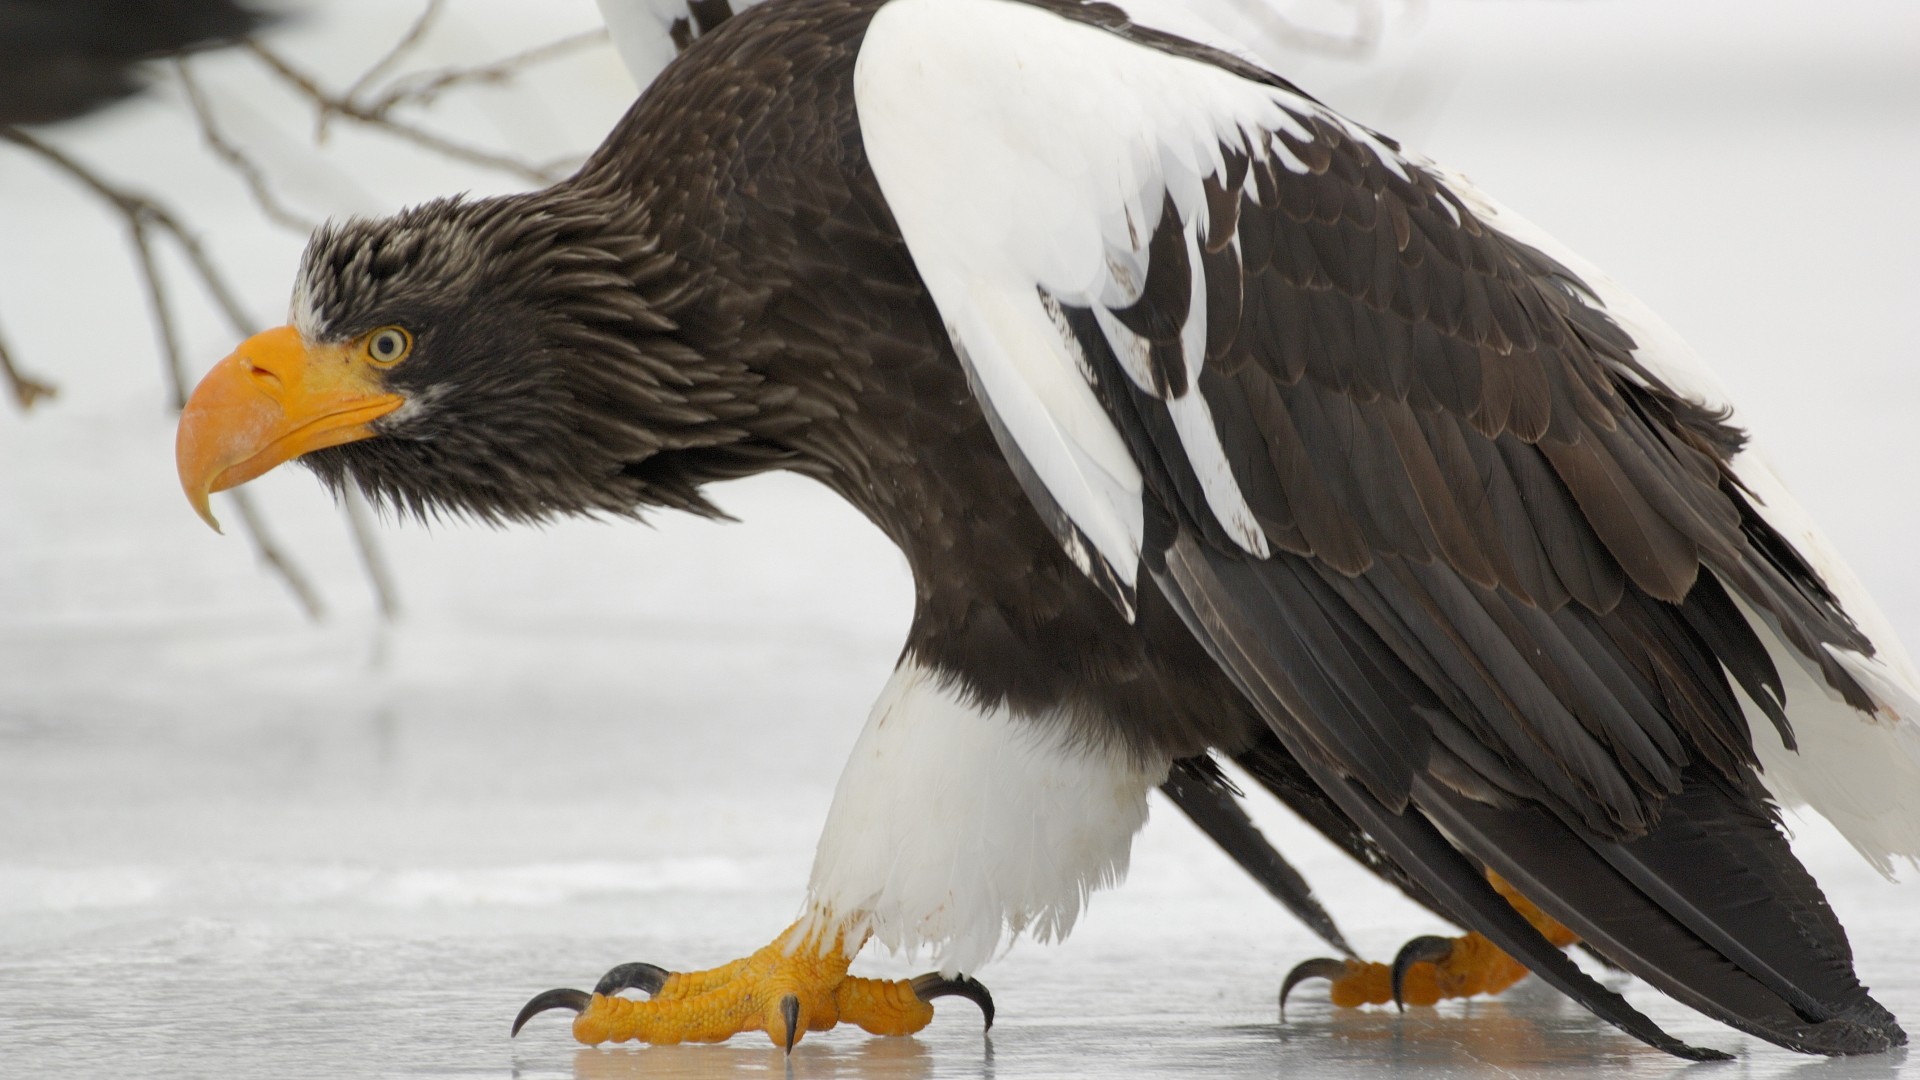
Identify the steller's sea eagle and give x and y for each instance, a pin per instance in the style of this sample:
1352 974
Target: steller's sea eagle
1208 421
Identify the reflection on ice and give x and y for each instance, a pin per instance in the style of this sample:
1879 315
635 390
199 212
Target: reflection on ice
868 1059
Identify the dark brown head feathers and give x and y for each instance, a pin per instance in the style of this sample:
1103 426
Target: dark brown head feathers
546 376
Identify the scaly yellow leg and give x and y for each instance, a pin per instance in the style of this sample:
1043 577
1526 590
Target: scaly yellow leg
796 984
1435 969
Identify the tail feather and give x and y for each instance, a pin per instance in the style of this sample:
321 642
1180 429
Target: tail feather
1709 906
1198 789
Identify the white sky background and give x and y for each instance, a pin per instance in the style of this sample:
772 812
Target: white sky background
600 739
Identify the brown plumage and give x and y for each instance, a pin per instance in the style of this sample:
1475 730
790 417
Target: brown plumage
1497 627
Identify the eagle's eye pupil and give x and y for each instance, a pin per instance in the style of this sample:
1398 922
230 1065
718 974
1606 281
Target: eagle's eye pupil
389 345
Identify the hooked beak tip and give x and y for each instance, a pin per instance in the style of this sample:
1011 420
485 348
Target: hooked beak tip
202 505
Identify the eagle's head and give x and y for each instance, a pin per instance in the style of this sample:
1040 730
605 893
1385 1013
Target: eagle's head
514 358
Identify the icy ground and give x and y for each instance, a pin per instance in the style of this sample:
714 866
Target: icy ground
236 844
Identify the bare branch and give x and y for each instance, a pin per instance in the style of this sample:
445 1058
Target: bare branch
225 150
145 216
360 520
26 389
142 212
276 560
360 104
407 41
203 267
68 165
142 215
158 307
423 88
136 211
330 104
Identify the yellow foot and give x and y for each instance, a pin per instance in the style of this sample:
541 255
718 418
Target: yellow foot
1430 969
792 986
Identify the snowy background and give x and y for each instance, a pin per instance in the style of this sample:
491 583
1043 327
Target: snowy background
235 842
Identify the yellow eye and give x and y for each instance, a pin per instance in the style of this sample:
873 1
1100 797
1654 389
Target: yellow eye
389 345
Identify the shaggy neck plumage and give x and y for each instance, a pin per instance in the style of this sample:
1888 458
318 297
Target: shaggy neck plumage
552 375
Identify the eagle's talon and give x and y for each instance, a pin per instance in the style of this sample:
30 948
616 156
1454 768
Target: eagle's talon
562 998
935 985
796 984
1426 949
648 978
790 1015
1322 967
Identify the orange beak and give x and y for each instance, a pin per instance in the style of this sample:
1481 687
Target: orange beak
274 399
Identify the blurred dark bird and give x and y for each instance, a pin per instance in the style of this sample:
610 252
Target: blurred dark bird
1209 421
63 58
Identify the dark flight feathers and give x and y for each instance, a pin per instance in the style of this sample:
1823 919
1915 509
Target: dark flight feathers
1210 801
1500 603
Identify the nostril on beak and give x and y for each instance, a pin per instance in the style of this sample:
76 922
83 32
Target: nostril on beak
261 373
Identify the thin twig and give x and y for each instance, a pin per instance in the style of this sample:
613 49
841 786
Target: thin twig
143 214
203 267
270 553
26 389
237 160
158 307
334 105
135 205
360 520
400 48
423 88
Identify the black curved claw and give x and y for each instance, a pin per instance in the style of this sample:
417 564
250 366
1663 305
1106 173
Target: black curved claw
634 976
790 1012
1322 967
1428 949
934 985
577 1000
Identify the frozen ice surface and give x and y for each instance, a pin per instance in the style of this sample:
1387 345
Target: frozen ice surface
236 844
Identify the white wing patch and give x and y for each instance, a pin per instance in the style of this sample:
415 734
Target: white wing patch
1027 159
1194 421
1032 378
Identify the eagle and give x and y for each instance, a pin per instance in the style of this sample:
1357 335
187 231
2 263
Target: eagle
1211 423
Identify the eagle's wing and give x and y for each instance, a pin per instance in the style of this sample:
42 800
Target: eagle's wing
1453 512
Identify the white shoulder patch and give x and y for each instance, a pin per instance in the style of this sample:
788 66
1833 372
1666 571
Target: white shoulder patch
1028 159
